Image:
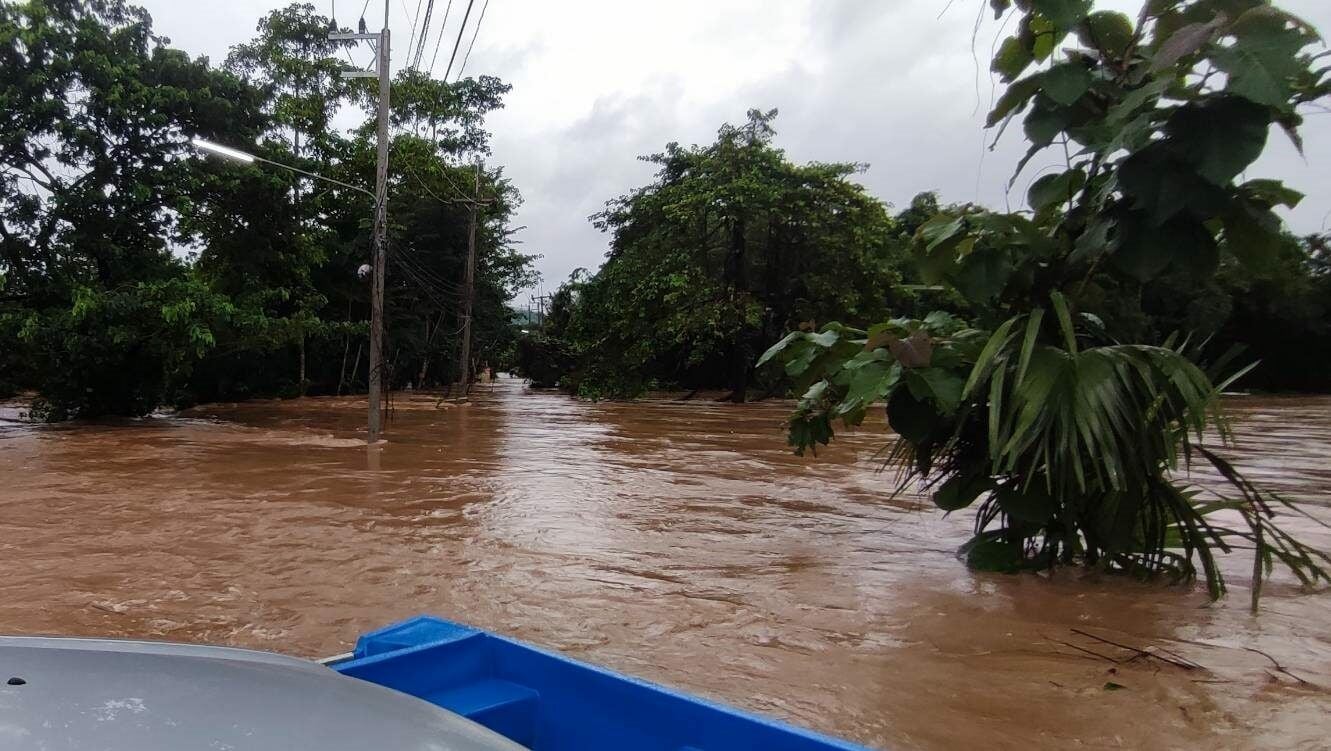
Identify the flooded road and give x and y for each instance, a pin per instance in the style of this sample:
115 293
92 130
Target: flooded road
678 541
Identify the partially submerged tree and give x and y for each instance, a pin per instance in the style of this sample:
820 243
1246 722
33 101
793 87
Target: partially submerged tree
96 112
1066 439
731 244
134 272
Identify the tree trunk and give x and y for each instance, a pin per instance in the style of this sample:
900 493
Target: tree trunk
425 358
300 383
736 270
355 366
342 374
346 350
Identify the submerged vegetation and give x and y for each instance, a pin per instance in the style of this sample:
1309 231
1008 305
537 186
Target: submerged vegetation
733 244
728 247
134 272
1039 409
1054 367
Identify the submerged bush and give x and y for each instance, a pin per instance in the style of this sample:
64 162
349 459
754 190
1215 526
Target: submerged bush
1064 438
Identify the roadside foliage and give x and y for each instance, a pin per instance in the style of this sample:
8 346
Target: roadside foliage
135 272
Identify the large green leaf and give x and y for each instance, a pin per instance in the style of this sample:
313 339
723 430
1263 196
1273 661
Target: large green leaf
1106 30
1044 122
1263 63
824 338
1143 251
1272 193
877 354
1252 233
940 229
779 347
869 383
943 323
800 355
1014 99
1162 186
1012 58
1094 241
1064 14
1041 35
1186 40
942 387
911 418
1065 83
982 275
1055 189
1132 102
1220 136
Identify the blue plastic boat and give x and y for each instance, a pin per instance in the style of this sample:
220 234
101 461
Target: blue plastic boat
424 685
548 702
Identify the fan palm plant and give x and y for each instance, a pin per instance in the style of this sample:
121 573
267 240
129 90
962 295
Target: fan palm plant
1070 442
1071 449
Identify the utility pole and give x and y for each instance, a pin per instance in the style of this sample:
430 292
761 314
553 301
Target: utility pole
380 221
541 301
469 286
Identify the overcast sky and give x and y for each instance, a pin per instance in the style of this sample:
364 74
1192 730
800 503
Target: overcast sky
901 85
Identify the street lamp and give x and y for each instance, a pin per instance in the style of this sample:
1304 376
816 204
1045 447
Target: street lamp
237 154
376 307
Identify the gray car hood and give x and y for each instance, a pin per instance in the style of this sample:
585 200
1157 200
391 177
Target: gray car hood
105 695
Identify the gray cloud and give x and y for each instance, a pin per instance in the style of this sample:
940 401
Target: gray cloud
596 83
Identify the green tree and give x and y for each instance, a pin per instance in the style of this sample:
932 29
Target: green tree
95 113
135 273
544 353
265 264
437 128
1064 436
700 268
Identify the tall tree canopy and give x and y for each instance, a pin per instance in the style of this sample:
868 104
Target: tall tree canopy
134 272
730 245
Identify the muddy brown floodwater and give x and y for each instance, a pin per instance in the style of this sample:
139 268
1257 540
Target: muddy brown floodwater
678 541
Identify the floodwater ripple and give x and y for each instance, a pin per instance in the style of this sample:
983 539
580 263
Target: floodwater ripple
678 541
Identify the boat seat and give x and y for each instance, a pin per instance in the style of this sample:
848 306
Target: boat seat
503 706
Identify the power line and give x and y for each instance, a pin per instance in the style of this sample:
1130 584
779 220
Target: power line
444 286
411 35
467 56
430 280
444 174
433 276
424 289
458 43
425 34
463 197
440 38
444 295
